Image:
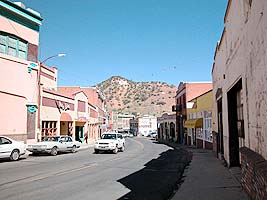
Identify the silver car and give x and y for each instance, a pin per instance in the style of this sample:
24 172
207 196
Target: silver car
54 144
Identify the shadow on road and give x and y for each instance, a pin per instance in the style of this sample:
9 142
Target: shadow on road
159 178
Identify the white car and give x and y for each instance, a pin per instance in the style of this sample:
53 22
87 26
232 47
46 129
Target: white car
110 142
54 144
11 149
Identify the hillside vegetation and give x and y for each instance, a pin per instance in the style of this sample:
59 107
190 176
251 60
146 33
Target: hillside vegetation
123 95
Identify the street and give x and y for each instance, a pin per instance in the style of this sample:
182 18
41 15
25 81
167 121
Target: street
146 170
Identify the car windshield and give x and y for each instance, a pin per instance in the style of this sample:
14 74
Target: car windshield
109 136
50 139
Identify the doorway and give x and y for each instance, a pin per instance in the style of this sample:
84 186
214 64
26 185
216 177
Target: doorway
235 121
172 130
79 133
220 147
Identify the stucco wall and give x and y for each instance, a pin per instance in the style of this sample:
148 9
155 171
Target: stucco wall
23 32
17 88
242 54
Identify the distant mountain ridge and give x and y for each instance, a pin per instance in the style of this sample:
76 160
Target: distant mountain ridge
126 96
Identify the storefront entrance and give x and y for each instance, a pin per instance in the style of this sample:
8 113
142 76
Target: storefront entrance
79 133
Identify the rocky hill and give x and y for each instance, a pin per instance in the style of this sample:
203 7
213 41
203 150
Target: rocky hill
123 95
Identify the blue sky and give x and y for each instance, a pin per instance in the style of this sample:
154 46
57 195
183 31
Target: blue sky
141 40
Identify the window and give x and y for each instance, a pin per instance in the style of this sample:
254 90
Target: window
207 126
49 128
13 46
4 141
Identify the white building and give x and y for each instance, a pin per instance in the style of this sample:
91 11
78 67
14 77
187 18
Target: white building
147 124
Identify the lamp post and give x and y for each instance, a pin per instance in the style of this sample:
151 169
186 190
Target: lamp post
39 88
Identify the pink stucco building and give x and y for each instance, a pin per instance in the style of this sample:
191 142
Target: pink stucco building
19 40
97 113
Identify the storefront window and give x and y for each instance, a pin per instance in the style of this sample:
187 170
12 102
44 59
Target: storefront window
49 128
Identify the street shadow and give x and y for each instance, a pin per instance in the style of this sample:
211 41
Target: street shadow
160 177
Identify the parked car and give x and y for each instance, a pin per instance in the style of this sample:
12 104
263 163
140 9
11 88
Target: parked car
11 149
152 134
110 142
54 144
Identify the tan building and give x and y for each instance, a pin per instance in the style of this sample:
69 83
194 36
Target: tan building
121 122
166 127
240 91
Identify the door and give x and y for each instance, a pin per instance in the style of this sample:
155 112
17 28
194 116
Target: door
62 144
79 134
69 143
220 147
235 116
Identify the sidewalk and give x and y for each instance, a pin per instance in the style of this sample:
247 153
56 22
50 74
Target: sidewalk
86 146
206 178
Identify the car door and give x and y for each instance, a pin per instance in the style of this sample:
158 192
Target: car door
69 143
62 144
5 147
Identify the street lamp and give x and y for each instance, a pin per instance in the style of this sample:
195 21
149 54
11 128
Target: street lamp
39 86
57 55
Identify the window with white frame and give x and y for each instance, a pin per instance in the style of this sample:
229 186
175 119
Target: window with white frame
13 46
207 126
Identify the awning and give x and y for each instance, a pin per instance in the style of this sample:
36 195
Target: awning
65 117
194 123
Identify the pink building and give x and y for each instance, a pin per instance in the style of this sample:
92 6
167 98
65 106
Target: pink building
19 39
185 93
98 116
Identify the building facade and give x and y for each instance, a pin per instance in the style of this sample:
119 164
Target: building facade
185 93
166 127
147 124
239 82
97 113
19 41
121 122
199 121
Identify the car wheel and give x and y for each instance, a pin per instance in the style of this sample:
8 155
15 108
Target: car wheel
96 151
53 151
122 148
14 155
115 150
73 150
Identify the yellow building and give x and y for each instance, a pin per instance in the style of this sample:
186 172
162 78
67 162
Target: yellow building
199 121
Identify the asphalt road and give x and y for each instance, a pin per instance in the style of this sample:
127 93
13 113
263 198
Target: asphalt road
145 170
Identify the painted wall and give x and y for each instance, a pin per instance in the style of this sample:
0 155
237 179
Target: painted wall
17 88
14 28
241 53
147 125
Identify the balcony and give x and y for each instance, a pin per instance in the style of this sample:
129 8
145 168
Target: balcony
176 108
